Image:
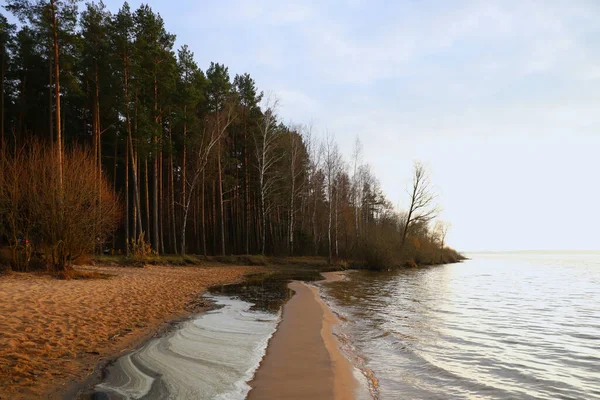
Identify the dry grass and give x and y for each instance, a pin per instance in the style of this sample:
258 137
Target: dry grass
299 262
77 274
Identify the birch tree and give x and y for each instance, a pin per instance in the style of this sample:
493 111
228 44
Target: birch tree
332 163
296 156
265 144
201 149
356 184
314 183
184 168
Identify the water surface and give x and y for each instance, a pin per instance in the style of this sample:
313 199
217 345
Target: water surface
213 355
499 326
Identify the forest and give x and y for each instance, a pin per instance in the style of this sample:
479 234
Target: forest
129 144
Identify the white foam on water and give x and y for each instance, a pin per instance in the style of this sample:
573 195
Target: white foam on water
135 385
212 356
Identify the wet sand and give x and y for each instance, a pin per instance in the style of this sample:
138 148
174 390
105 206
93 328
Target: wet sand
54 333
303 360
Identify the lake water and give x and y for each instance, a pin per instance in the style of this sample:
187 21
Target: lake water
212 355
498 326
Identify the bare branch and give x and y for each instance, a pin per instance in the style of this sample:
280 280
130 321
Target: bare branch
422 197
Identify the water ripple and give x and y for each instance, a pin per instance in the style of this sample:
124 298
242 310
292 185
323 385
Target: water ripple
212 356
495 327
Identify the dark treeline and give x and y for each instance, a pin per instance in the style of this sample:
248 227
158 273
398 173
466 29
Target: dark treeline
200 159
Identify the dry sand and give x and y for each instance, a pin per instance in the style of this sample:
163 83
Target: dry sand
303 360
54 333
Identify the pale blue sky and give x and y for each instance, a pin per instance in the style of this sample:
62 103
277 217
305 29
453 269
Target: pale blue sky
500 98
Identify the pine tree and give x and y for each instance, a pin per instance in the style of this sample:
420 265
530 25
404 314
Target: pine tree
218 93
154 72
31 86
206 161
55 23
191 85
249 99
121 42
7 37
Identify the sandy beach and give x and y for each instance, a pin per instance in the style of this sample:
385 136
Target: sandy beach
54 333
303 360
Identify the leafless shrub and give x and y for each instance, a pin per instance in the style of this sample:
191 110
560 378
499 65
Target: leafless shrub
15 215
64 220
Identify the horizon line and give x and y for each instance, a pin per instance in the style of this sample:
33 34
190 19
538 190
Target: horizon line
535 251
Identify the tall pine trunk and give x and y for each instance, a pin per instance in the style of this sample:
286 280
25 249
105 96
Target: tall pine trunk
115 162
98 146
2 103
172 196
50 97
221 213
127 203
214 217
291 226
183 166
161 212
202 213
155 156
329 223
137 209
59 140
148 226
314 224
235 207
246 189
336 224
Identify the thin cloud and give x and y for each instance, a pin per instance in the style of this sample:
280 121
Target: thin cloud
481 89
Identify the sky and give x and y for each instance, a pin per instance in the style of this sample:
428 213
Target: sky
501 99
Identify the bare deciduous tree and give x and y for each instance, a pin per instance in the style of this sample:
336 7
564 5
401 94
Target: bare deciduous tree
440 230
356 183
422 196
332 164
314 180
200 150
265 143
296 169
